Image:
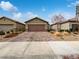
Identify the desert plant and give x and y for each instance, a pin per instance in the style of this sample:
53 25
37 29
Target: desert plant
12 31
65 33
57 34
61 31
48 30
8 32
2 33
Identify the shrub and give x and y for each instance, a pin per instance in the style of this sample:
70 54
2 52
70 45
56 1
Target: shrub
12 31
66 33
8 32
11 35
48 30
57 34
61 30
2 33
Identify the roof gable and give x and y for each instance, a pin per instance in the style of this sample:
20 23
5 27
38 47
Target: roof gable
69 20
36 19
6 18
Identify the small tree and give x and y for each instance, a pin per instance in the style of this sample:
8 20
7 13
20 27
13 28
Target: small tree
58 19
2 33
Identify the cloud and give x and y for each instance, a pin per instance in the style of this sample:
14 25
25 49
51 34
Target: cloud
66 15
17 15
72 4
7 6
30 15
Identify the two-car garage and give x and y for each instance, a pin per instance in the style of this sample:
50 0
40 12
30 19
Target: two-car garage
36 24
36 28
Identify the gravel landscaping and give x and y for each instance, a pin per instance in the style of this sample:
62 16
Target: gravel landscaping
65 36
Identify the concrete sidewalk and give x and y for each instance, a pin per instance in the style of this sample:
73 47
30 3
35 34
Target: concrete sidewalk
25 50
37 50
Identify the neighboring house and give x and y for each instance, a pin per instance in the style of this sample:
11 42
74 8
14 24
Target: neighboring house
37 24
56 27
69 25
7 24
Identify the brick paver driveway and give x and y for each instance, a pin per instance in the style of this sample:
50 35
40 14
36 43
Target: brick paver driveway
39 45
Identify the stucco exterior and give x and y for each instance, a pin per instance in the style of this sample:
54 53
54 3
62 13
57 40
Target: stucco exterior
20 27
7 24
36 21
65 26
56 27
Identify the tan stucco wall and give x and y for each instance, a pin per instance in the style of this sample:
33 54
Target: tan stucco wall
13 24
20 26
68 25
4 23
65 26
56 27
36 21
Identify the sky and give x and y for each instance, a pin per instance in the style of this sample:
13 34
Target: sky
23 10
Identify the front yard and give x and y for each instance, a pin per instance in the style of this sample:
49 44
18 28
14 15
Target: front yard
65 36
41 36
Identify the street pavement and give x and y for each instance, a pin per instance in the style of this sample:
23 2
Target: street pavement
37 45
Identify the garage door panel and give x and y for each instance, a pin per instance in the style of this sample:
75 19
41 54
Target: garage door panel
5 27
36 27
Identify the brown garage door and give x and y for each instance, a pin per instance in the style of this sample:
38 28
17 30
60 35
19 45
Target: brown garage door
36 27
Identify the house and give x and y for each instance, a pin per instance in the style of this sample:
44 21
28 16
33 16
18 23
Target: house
69 25
56 27
36 24
9 25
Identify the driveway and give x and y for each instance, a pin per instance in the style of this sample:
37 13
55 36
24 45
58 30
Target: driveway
33 36
28 45
39 45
